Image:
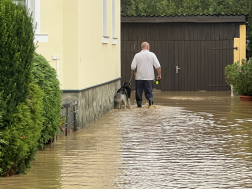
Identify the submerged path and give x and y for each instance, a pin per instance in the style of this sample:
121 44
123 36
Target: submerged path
187 140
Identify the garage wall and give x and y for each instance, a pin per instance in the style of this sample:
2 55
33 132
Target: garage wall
200 50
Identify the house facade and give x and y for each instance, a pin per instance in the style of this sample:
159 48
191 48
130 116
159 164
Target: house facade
81 40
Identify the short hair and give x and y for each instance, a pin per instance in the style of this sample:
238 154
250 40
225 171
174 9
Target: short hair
144 44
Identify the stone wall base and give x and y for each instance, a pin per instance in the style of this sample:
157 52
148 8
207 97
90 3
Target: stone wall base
93 102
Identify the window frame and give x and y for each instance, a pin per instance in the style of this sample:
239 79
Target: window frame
36 19
16 1
114 42
105 37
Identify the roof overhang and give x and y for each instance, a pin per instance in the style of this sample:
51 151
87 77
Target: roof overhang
193 19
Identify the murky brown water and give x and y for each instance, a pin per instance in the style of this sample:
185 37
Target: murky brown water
189 140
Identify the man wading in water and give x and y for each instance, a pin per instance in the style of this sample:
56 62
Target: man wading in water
143 62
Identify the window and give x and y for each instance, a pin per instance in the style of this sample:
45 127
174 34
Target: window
22 1
33 7
30 5
113 18
105 38
104 15
113 24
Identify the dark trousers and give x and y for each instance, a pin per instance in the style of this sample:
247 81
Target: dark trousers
146 86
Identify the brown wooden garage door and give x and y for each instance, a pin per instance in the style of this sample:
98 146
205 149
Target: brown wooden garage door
192 59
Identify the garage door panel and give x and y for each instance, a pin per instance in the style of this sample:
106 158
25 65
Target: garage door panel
208 68
186 45
194 48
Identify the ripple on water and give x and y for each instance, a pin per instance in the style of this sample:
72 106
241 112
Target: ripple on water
185 149
159 147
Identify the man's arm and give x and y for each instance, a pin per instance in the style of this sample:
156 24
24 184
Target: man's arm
156 64
133 66
133 72
159 73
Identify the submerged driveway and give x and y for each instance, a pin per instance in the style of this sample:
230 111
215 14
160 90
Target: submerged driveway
187 140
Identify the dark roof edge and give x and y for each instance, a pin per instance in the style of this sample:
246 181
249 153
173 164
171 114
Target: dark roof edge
192 18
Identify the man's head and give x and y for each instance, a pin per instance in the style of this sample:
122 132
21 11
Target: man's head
145 45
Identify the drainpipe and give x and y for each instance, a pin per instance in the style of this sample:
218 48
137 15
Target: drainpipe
56 57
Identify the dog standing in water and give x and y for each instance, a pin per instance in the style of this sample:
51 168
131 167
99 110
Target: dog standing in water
120 99
127 86
122 96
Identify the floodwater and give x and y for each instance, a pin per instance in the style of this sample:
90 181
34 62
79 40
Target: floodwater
187 140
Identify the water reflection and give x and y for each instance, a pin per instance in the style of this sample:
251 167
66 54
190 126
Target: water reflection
45 173
190 140
184 150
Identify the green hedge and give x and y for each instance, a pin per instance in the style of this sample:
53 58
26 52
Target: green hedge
239 75
189 7
184 7
30 97
16 53
23 133
45 77
2 142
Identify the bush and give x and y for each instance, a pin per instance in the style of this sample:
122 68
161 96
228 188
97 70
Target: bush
16 53
240 77
2 142
21 105
45 77
23 133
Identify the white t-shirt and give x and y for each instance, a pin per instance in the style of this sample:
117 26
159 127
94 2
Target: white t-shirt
144 62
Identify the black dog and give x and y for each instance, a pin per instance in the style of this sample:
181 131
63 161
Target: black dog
127 86
124 91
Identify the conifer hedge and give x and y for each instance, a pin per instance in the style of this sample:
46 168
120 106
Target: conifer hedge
16 53
189 7
30 97
45 77
23 133
21 103
2 142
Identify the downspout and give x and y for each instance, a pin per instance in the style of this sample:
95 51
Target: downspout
57 58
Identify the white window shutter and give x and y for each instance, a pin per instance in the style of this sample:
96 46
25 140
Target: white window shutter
104 15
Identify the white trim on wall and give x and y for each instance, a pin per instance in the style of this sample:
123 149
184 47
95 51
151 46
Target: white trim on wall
41 38
113 19
31 6
105 38
17 1
34 7
104 17
114 41
114 38
37 16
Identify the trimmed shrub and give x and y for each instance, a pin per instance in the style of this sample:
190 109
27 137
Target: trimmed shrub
23 133
239 75
189 7
2 142
45 77
16 53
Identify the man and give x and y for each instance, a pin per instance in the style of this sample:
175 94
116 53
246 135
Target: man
144 62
